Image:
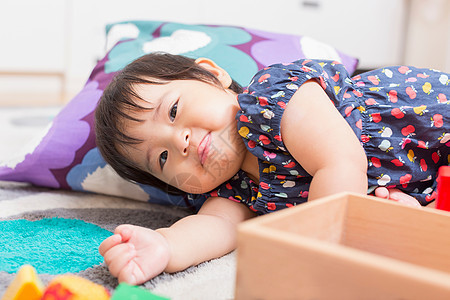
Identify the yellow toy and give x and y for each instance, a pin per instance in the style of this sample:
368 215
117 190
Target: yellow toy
25 286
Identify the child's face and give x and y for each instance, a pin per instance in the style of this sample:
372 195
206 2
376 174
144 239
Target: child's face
190 136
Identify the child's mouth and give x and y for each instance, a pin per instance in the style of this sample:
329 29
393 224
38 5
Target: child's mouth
203 148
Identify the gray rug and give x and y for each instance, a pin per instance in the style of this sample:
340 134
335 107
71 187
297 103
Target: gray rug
210 280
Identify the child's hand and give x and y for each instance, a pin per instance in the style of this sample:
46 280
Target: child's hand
135 254
396 195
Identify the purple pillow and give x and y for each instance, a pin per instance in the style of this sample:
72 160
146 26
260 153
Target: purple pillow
66 157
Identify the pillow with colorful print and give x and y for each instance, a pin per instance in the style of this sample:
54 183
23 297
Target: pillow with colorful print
65 155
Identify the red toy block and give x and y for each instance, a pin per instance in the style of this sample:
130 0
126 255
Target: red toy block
443 188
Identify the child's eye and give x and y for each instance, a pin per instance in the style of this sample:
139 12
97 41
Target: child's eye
173 111
163 159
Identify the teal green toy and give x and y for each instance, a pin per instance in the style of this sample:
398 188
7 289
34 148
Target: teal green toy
129 292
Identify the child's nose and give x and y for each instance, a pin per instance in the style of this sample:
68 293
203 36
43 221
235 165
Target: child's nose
183 141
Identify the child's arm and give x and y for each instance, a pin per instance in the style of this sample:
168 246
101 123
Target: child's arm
321 140
209 234
136 254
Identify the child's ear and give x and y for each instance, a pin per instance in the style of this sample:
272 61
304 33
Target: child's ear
221 74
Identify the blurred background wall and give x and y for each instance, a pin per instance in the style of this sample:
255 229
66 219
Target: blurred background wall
49 47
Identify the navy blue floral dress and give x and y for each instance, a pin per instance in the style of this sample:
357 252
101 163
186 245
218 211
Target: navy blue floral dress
400 114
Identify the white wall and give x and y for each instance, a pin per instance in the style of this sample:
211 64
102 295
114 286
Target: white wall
364 29
428 42
67 36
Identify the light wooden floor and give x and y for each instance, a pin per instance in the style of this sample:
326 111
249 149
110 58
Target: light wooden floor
32 88
26 99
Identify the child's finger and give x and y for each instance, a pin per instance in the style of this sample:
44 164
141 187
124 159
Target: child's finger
127 274
382 192
120 262
125 231
116 252
403 198
109 243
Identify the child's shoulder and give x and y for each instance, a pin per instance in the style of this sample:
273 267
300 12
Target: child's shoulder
293 73
305 66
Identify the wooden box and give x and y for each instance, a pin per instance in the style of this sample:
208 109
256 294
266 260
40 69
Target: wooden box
345 247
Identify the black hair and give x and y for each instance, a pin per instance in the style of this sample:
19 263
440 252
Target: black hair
119 100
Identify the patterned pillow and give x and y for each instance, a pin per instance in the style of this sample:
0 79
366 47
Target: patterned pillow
65 155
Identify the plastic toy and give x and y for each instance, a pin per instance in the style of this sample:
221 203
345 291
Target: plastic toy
25 286
128 292
443 189
71 287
